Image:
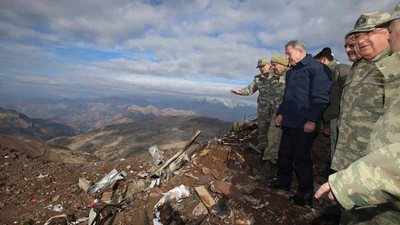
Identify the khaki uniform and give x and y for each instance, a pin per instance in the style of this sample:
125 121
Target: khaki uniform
331 114
361 106
374 179
275 92
261 84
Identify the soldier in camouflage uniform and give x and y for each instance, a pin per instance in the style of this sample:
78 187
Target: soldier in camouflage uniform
279 65
373 180
339 75
260 84
363 93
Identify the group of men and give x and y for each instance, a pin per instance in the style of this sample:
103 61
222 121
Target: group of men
360 109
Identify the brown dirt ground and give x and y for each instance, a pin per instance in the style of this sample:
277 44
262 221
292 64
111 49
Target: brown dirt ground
29 185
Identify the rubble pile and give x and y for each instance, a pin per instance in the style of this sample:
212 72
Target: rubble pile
202 183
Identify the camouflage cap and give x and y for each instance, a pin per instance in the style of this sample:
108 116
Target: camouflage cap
369 21
281 59
262 62
395 14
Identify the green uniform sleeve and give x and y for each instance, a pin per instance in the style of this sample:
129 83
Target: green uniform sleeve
371 180
250 89
339 74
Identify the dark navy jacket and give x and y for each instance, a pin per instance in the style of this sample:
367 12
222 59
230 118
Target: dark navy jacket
308 85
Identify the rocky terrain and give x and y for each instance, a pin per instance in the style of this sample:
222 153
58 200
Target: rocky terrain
21 126
218 174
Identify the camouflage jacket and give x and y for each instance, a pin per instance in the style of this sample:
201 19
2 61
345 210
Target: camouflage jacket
361 106
371 180
264 84
276 90
374 179
339 75
387 128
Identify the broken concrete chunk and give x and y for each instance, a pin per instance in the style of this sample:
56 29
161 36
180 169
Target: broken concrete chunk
205 196
84 184
199 210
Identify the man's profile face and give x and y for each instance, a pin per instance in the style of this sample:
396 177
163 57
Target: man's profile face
394 39
264 69
278 68
350 48
293 55
371 43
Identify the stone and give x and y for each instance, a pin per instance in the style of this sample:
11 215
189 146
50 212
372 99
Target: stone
199 210
134 188
221 187
206 170
84 184
107 197
55 198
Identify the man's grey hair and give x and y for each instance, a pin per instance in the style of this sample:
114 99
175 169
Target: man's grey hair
297 44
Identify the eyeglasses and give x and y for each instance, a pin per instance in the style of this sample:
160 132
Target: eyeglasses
367 34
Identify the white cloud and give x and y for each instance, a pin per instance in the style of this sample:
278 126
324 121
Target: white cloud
177 47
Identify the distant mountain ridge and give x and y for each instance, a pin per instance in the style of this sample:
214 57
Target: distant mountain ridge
21 126
84 115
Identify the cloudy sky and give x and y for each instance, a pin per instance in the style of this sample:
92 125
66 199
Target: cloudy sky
200 48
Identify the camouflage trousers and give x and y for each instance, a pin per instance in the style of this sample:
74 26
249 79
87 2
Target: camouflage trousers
382 214
274 139
333 135
263 121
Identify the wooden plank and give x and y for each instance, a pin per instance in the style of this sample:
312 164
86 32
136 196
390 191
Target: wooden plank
205 196
198 132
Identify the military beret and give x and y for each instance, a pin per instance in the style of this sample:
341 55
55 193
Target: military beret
281 59
262 62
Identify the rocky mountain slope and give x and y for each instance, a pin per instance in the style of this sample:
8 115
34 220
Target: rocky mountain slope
84 115
125 140
19 125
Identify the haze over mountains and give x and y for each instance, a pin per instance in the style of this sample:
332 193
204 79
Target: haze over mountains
84 115
112 128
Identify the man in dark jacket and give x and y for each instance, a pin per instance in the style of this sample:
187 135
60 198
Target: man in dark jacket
308 84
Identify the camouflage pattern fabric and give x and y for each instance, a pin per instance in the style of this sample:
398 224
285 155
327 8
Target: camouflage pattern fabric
387 128
275 92
331 113
274 139
371 180
361 106
260 83
374 180
372 186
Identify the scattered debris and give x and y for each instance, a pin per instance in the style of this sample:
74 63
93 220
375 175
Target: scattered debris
200 209
221 210
84 184
205 196
142 175
176 194
109 179
206 170
155 153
